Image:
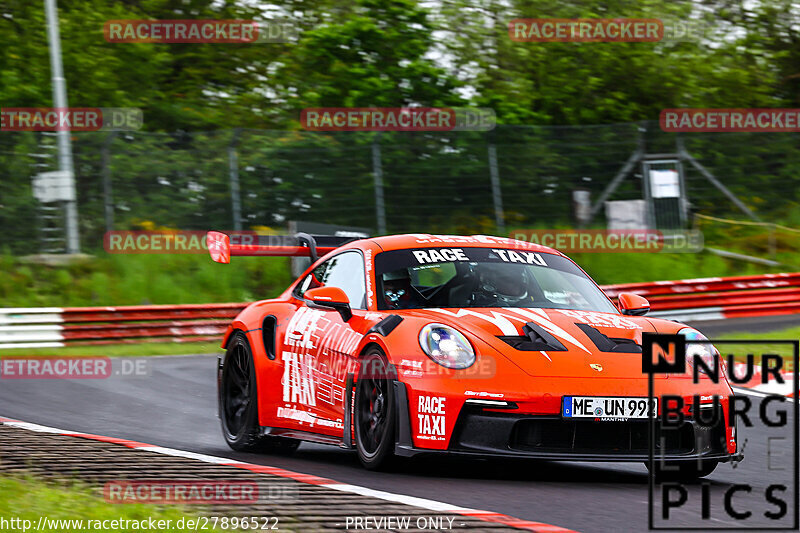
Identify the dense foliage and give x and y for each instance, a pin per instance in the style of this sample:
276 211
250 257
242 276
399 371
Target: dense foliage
393 53
397 52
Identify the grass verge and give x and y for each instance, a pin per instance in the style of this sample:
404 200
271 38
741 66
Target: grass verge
112 279
70 507
740 351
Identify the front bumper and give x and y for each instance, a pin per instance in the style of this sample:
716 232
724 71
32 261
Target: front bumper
484 433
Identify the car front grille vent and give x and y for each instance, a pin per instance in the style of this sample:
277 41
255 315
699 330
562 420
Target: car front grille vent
534 339
609 344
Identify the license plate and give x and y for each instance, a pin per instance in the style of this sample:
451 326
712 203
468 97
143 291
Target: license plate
607 407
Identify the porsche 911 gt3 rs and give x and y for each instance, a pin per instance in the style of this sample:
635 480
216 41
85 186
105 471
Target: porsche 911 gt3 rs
463 345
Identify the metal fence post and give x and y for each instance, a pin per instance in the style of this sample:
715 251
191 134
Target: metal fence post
233 171
714 181
377 170
497 194
65 164
108 195
634 158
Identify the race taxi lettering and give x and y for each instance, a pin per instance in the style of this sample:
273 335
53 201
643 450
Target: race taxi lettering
339 340
297 415
601 319
302 328
298 385
441 255
528 258
305 417
368 267
317 357
431 417
453 239
484 394
422 238
301 338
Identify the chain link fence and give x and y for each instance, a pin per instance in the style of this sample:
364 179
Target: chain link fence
454 182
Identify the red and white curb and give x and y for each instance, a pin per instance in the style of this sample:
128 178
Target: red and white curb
754 387
430 505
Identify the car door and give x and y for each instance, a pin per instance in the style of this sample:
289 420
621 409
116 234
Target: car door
318 345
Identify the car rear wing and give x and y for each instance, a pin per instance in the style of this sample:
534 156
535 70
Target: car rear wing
222 246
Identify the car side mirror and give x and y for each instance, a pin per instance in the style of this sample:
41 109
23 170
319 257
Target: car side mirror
329 298
633 304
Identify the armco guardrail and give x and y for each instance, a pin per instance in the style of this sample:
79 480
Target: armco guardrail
50 327
718 298
685 300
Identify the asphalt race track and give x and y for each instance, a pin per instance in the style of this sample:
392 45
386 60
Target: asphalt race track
175 406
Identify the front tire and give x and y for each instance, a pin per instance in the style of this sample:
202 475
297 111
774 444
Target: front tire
375 412
238 403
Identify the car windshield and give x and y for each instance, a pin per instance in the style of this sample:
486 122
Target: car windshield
483 277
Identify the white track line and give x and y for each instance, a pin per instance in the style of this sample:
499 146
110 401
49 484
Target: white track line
422 503
398 498
191 455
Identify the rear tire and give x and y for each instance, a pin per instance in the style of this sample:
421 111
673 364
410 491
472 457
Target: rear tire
684 470
375 412
238 403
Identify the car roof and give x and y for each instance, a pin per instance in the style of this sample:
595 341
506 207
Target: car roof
425 240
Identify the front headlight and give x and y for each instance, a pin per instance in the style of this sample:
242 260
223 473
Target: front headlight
447 346
705 351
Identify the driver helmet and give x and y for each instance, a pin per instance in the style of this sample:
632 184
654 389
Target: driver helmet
397 288
507 283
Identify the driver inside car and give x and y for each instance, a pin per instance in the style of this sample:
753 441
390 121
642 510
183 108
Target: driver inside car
398 293
502 285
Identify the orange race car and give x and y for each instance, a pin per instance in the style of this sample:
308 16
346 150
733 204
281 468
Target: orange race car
474 346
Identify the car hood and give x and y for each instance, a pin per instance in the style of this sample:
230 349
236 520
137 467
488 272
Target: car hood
579 332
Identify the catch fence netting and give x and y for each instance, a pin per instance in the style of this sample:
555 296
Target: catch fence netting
428 181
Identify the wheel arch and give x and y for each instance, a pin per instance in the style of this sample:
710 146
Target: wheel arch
254 339
234 327
369 345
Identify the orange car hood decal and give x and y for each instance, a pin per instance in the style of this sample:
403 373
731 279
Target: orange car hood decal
509 321
487 323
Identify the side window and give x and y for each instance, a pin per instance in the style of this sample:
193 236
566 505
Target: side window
345 271
313 280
